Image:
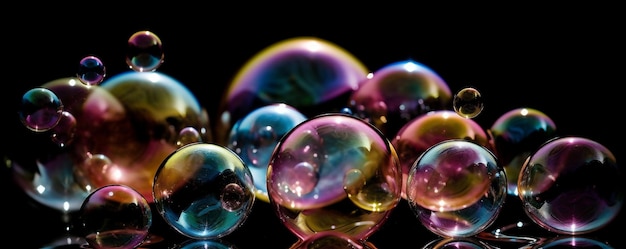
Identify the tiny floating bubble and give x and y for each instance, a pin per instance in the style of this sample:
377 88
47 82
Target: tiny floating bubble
468 102
91 70
41 109
145 52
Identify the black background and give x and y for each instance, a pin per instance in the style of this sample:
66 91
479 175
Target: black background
566 61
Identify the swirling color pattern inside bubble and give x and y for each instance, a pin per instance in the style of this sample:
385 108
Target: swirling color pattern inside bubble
571 185
308 73
456 188
204 191
334 172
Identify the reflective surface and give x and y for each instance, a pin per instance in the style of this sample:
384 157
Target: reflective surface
523 65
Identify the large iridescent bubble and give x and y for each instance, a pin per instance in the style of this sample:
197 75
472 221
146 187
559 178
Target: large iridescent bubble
399 92
311 74
571 185
334 172
136 122
424 131
456 188
44 169
254 137
204 191
515 135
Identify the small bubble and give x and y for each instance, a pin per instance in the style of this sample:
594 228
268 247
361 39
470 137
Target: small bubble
468 102
41 109
145 52
91 70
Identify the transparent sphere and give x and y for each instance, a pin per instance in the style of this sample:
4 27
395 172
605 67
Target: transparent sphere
206 244
426 130
457 243
41 109
43 164
334 172
203 191
135 119
573 242
115 216
311 74
91 70
468 102
331 240
456 188
515 135
254 137
397 93
571 185
144 52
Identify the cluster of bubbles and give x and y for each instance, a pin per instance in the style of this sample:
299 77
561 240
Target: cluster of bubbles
305 127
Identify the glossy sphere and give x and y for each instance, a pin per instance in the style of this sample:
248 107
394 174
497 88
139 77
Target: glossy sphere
457 243
135 120
41 109
572 242
254 137
399 92
571 185
456 188
206 244
204 191
334 172
144 52
429 129
468 102
115 216
46 172
515 135
311 74
91 70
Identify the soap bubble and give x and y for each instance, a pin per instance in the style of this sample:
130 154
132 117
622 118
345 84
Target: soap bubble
456 188
426 130
206 244
334 172
115 216
254 137
515 135
91 70
571 185
397 93
468 102
144 52
457 243
310 74
332 240
203 191
41 109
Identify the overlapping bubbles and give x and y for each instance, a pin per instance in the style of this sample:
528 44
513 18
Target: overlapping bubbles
306 128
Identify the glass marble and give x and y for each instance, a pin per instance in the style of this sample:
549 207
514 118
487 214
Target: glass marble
204 191
515 135
91 70
426 130
334 172
115 216
332 240
571 185
456 188
144 52
468 102
399 92
41 109
311 74
254 137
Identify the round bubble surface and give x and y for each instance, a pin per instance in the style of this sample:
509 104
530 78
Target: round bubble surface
204 191
331 240
468 102
91 70
144 52
515 135
334 172
41 109
422 132
399 92
456 188
115 216
571 185
311 74
254 137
